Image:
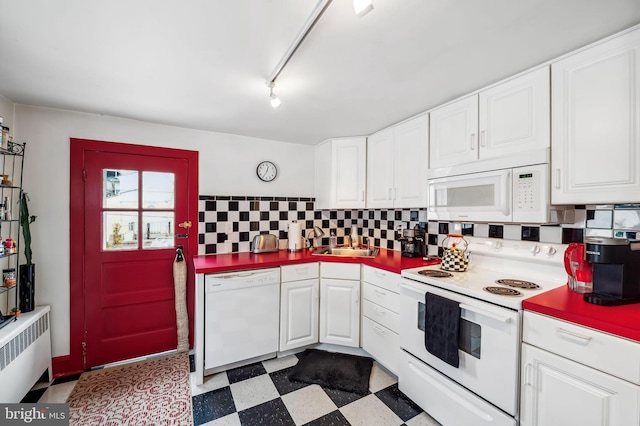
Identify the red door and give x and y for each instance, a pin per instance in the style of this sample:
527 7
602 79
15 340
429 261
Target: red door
136 212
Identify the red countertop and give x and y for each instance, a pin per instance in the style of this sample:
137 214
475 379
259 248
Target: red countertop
564 304
389 260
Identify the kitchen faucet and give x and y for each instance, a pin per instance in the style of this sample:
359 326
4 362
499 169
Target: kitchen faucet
317 233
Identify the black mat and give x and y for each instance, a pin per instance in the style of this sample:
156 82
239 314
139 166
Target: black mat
333 370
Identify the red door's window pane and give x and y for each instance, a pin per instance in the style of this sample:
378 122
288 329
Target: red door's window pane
120 189
120 230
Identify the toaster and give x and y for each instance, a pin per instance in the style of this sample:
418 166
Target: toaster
265 243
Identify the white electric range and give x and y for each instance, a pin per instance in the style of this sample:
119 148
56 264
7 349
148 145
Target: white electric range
484 388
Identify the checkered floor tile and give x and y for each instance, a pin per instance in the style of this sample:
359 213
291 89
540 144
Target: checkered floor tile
262 394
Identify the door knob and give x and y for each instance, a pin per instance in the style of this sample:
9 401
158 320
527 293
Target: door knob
185 224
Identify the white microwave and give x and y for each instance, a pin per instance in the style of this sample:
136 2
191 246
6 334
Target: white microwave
519 195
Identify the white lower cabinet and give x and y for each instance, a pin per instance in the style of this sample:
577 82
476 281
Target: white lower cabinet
381 343
299 294
340 304
380 319
298 314
559 392
564 380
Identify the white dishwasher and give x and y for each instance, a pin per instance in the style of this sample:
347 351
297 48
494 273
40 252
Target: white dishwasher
242 311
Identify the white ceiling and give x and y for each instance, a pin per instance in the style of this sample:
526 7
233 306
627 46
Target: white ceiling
202 64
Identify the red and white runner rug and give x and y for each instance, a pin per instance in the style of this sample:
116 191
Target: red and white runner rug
151 392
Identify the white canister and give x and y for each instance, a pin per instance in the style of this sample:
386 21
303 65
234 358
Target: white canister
295 236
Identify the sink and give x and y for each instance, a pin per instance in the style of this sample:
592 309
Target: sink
346 252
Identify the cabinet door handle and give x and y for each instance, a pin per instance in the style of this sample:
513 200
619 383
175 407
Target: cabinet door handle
379 274
505 202
380 330
379 310
362 195
579 337
380 292
473 142
556 179
527 376
483 140
389 194
395 193
357 297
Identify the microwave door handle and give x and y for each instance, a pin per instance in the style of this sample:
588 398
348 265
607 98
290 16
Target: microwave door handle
505 201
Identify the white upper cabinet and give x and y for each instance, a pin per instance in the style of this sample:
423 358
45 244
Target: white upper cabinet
453 135
507 119
341 173
380 165
515 116
396 164
595 156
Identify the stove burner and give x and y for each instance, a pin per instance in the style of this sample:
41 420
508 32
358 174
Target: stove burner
503 291
518 284
435 273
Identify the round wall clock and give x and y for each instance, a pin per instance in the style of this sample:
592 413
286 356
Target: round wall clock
267 171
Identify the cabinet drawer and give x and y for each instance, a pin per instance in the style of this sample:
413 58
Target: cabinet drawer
340 271
304 271
381 315
381 343
605 352
380 296
385 279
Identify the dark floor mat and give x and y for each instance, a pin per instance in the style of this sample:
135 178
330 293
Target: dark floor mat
333 370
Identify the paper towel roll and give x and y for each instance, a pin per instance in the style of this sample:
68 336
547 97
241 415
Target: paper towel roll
295 236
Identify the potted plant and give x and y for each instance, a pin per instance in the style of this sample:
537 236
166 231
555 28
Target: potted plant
15 312
27 271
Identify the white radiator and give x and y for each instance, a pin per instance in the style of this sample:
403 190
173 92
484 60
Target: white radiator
25 353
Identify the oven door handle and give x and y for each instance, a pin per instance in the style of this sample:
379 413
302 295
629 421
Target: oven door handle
497 317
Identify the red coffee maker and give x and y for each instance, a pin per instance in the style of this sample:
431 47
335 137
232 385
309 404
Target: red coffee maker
579 270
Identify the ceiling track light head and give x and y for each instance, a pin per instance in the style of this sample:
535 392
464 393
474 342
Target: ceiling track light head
275 101
362 7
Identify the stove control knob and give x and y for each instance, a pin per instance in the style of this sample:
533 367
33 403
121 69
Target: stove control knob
535 250
549 250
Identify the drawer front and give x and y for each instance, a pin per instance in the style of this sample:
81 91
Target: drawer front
614 355
381 278
381 315
381 343
445 400
340 271
380 296
300 272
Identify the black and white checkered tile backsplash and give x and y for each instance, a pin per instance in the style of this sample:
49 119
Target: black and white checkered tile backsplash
228 224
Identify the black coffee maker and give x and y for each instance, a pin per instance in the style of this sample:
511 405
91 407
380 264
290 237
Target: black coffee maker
616 270
412 242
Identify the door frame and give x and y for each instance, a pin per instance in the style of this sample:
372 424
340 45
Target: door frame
78 147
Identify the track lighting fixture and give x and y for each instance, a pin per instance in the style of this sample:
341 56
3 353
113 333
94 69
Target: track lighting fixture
362 7
275 101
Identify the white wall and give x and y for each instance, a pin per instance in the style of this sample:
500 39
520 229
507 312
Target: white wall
227 167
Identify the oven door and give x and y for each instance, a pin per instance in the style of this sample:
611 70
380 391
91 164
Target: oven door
489 343
477 196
